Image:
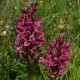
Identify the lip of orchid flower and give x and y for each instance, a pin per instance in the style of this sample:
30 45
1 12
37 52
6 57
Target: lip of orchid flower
29 36
57 56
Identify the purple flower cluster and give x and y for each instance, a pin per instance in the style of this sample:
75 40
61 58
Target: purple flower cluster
57 56
29 34
30 38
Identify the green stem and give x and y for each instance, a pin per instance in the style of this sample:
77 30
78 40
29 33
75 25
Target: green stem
34 77
33 72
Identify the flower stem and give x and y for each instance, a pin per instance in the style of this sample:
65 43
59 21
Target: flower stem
34 77
33 73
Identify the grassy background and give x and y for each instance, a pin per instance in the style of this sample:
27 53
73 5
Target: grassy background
58 16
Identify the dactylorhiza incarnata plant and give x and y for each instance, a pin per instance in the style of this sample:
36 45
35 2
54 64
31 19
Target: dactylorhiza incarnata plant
30 38
57 56
29 35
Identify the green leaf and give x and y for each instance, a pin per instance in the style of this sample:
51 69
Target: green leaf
62 7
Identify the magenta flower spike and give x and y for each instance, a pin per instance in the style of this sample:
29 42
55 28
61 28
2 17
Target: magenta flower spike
57 56
29 36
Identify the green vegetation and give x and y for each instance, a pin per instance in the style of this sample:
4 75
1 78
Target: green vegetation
58 16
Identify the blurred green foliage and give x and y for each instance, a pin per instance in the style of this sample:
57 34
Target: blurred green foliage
58 16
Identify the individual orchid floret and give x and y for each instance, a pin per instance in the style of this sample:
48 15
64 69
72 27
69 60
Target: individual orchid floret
57 56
